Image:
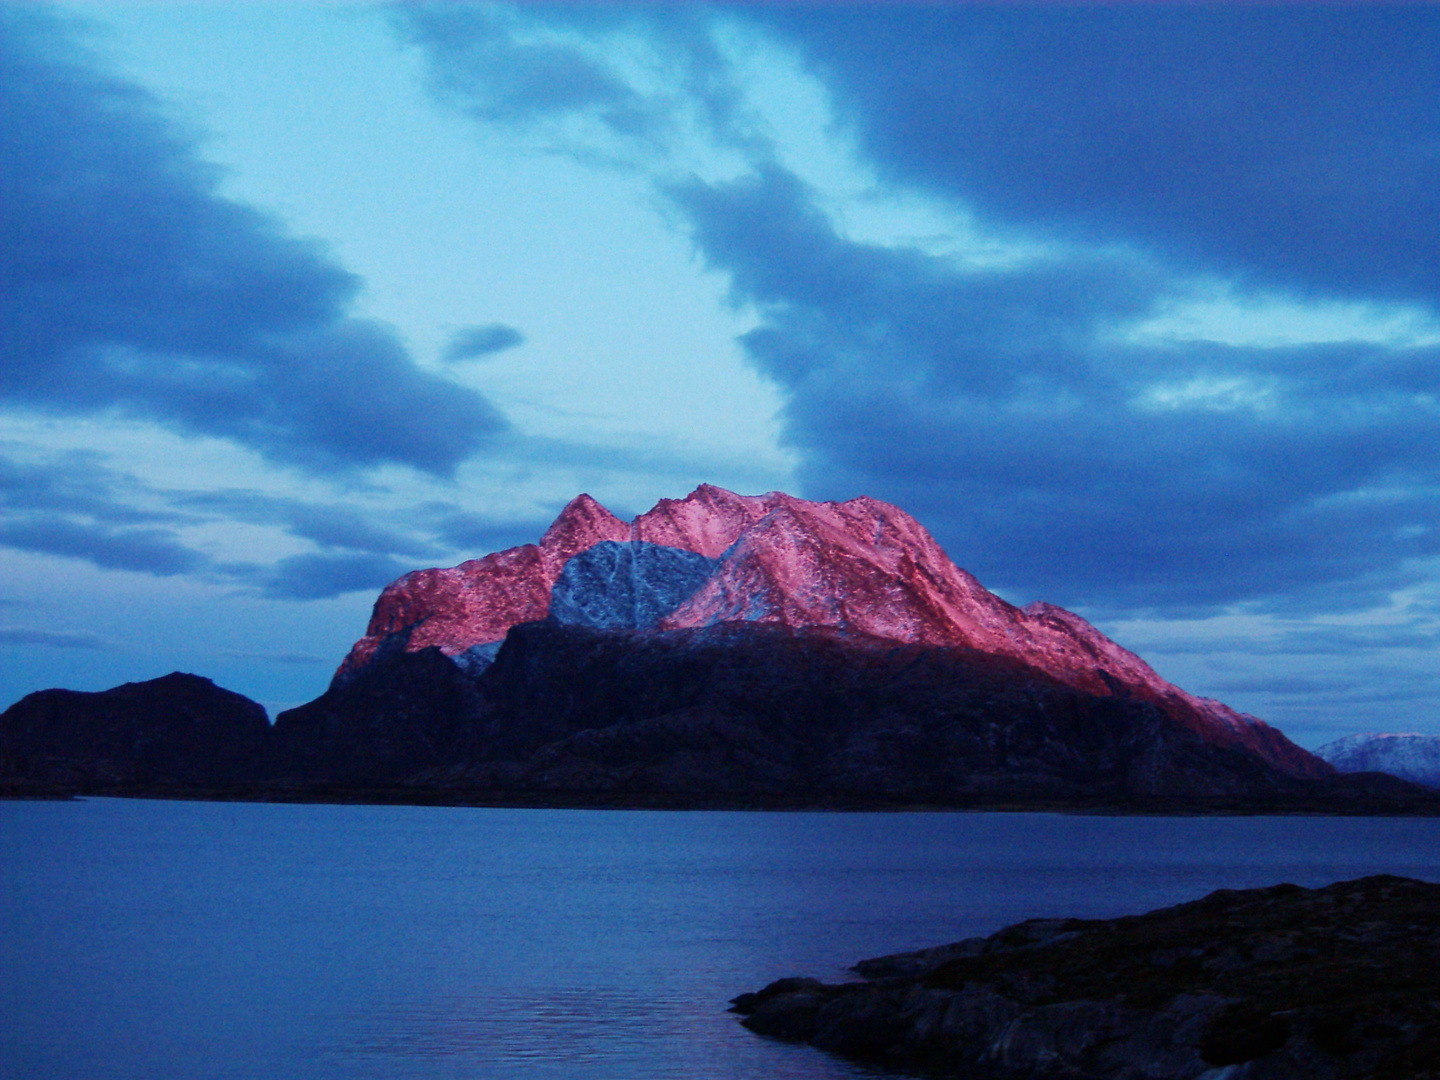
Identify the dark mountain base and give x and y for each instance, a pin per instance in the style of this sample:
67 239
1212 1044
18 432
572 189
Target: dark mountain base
752 715
732 716
1282 983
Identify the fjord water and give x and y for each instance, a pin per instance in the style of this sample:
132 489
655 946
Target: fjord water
143 939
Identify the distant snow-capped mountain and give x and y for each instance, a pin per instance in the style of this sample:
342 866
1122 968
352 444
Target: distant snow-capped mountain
1411 757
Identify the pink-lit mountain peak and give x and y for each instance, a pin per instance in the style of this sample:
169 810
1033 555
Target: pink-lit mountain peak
707 521
580 526
861 566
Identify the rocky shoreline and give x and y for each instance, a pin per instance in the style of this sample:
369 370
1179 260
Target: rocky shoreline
1282 983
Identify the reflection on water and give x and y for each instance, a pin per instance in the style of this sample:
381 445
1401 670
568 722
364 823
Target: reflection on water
238 941
557 1025
572 1032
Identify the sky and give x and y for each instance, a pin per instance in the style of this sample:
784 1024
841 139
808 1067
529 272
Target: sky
1135 307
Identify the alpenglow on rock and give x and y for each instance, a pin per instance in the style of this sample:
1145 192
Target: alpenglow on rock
1411 757
862 568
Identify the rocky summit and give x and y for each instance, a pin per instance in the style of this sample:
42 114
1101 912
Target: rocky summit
1282 983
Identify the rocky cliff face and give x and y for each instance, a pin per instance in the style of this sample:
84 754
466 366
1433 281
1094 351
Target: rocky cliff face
1411 757
862 568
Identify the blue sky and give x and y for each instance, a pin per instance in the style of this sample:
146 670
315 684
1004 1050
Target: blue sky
1136 308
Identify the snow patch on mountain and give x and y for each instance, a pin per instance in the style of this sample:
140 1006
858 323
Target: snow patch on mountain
626 584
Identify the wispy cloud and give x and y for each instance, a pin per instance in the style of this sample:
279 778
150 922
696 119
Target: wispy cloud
16 635
294 659
475 342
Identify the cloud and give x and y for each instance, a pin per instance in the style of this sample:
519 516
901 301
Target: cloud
15 635
295 659
150 551
74 506
1310 640
1291 685
322 576
1121 159
477 534
999 406
76 483
327 525
477 341
491 75
613 84
130 286
1294 144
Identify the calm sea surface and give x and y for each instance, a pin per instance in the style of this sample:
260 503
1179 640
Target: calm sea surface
205 940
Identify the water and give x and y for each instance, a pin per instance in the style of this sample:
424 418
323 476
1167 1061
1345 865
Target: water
211 940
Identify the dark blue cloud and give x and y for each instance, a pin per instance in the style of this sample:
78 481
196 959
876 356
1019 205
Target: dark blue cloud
1287 144
507 65
76 483
477 341
996 406
1321 640
486 72
320 577
75 507
293 659
150 551
129 285
476 534
1288 150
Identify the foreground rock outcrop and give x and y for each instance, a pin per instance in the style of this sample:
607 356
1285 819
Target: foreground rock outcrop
1409 756
1281 983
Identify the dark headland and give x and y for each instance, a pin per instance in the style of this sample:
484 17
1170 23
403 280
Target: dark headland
1281 983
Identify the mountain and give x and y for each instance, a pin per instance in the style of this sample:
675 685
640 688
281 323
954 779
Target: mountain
1411 757
862 569
179 730
717 650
